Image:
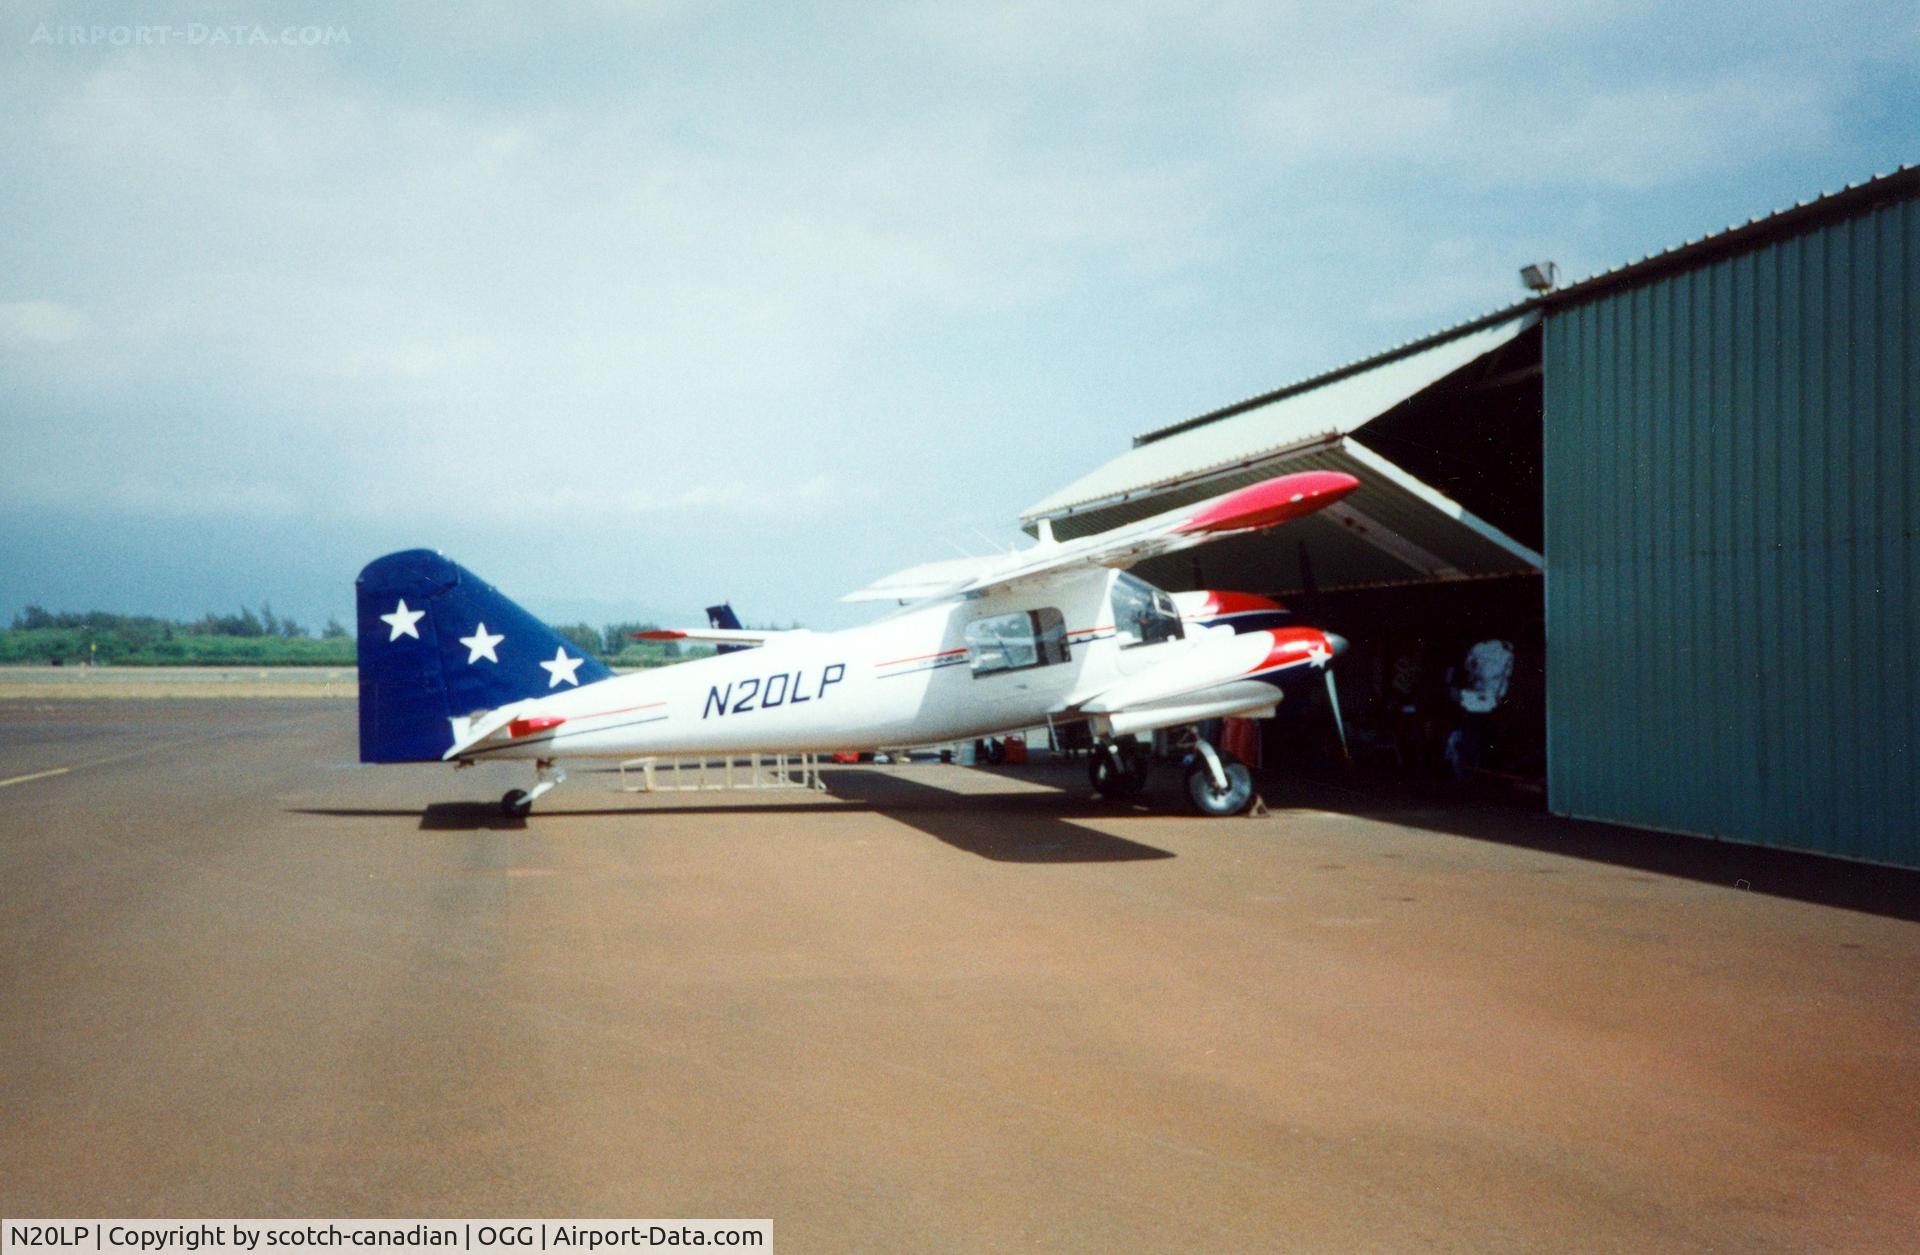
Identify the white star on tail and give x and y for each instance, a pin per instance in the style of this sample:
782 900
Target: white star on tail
480 645
403 621
561 668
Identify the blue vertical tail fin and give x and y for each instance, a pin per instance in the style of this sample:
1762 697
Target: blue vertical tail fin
438 643
722 616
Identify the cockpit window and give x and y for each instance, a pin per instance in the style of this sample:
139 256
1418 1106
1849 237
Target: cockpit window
1009 642
1142 614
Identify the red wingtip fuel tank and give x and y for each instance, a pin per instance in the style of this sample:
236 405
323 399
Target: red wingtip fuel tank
1272 502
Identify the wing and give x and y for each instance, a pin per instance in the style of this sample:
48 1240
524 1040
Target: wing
929 579
1250 509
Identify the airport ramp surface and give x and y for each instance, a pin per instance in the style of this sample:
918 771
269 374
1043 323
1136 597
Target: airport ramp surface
934 1008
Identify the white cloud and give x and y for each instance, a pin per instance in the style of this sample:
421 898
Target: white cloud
546 267
1351 115
1663 131
153 497
1660 133
483 286
681 510
39 322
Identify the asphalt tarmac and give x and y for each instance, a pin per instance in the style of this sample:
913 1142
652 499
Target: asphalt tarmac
933 1009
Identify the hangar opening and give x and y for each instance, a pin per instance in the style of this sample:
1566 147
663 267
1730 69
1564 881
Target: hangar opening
1437 551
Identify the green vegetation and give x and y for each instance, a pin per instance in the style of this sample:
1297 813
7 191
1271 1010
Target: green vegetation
260 638
248 638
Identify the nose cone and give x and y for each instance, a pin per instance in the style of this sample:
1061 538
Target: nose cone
1336 642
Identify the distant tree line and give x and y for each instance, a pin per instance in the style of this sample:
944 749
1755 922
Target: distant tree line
212 623
248 637
39 635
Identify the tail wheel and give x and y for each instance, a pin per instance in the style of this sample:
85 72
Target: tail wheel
1122 780
516 804
1209 798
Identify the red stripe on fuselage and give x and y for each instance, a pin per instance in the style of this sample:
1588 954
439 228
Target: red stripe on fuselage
920 657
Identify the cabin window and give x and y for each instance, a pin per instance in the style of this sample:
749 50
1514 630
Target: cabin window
1142 614
1010 642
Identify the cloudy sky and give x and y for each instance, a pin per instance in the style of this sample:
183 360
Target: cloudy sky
630 306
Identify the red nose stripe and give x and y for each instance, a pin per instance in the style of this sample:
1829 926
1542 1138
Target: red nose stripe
1275 501
527 727
658 634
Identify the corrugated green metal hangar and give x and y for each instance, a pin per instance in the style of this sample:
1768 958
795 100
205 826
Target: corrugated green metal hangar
1686 490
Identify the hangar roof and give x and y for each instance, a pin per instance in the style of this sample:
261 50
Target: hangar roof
1332 405
1394 529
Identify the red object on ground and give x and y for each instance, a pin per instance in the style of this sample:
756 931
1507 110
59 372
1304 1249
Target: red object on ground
1016 750
1241 738
845 756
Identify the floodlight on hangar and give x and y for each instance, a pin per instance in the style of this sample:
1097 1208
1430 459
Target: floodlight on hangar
1541 276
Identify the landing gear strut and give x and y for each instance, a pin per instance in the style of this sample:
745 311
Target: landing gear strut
518 803
1217 782
1118 769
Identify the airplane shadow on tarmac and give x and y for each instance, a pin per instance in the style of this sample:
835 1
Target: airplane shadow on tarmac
1020 827
1007 827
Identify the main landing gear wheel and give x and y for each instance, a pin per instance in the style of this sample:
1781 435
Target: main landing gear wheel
516 804
1118 772
1208 797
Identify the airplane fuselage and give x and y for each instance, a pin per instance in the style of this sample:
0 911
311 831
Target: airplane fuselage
936 672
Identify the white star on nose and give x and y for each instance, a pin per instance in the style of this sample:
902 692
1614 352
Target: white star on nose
403 621
480 645
561 668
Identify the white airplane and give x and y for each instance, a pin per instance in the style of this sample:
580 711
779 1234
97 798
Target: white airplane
1058 633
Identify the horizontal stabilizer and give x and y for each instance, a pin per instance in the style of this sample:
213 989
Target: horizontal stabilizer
744 637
